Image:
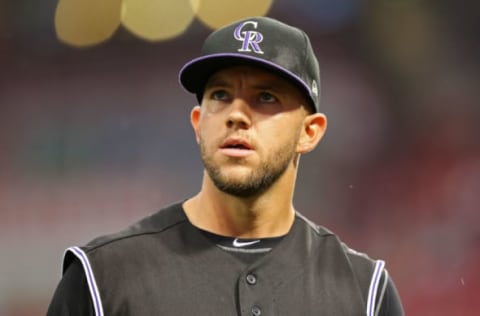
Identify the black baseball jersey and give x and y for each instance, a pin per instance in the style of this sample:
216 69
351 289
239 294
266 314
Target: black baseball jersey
163 265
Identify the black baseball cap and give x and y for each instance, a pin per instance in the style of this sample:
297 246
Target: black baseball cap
257 41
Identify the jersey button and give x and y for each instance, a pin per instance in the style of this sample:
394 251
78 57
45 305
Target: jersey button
251 279
256 311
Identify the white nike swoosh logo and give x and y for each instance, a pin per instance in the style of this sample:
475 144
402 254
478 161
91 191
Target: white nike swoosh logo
237 243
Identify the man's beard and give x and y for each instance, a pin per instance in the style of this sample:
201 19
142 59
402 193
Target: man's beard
258 180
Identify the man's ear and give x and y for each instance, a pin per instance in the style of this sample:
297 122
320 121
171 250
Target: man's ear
314 127
195 121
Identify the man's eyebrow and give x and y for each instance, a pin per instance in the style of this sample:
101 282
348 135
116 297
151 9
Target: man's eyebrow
270 85
216 82
267 86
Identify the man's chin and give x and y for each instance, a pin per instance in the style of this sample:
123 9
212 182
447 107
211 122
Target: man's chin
240 191
238 184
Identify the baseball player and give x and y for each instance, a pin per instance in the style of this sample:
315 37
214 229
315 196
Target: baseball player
238 247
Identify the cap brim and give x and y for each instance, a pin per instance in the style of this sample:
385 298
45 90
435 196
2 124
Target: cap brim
194 75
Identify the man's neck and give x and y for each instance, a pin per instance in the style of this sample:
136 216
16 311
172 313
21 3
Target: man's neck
269 214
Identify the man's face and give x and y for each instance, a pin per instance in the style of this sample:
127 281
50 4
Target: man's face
248 129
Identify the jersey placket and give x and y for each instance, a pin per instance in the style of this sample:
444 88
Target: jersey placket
254 296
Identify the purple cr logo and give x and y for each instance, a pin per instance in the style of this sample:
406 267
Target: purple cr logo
250 38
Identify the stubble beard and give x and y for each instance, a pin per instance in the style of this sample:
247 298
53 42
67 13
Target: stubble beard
258 180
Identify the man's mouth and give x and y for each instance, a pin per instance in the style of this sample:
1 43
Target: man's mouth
236 147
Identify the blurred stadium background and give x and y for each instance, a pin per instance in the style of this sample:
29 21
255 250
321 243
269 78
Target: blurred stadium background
94 133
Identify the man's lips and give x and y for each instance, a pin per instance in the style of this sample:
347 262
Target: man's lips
236 147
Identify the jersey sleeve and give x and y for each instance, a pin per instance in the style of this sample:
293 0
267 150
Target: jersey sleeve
389 303
72 296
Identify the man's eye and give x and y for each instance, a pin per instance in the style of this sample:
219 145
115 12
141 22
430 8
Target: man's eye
267 97
219 95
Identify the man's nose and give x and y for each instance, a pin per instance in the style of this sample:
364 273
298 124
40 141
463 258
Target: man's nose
239 116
